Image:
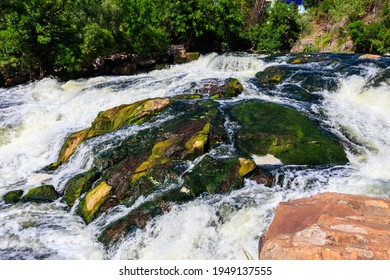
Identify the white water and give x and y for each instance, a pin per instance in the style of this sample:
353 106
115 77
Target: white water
36 118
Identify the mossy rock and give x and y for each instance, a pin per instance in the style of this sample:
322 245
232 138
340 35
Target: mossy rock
233 88
217 175
45 193
191 56
92 202
281 131
110 120
13 196
140 216
78 185
306 58
272 75
136 219
217 88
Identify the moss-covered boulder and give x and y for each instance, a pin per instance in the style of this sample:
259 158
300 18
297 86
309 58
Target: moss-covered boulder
164 151
272 75
78 185
269 128
217 175
45 193
92 202
12 197
111 120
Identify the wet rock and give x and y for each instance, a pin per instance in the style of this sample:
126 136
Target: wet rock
13 196
305 58
269 128
214 175
125 69
262 176
216 89
111 120
180 55
45 193
137 219
271 75
297 92
78 185
329 226
92 202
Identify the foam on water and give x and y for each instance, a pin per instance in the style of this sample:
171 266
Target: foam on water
362 114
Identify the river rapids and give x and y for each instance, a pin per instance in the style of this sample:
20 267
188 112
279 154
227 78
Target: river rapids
352 100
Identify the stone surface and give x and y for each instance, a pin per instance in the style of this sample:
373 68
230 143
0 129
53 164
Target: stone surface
92 202
369 56
12 197
268 128
329 226
45 193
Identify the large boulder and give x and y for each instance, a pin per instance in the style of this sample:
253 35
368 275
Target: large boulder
268 128
329 226
111 120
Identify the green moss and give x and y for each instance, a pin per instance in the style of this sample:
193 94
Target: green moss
78 185
271 75
246 166
233 88
13 196
158 156
111 120
293 138
45 193
213 176
191 56
196 145
92 202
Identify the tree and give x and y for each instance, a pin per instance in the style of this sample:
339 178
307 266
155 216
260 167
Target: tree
280 30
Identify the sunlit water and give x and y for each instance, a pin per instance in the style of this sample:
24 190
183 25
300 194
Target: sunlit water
36 118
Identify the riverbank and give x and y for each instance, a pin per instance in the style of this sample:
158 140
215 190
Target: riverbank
112 65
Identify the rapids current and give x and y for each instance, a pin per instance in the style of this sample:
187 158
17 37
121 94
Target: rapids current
352 100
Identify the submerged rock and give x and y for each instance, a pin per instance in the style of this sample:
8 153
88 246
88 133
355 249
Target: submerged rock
13 196
45 193
329 226
269 128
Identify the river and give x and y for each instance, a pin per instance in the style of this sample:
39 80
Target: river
352 100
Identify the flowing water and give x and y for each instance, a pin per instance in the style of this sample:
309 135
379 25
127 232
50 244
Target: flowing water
352 100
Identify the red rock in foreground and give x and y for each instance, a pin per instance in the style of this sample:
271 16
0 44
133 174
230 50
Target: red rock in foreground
329 226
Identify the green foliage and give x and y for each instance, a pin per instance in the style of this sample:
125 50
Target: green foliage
370 38
347 9
207 24
279 32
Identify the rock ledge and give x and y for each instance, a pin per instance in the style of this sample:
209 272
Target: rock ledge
329 226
